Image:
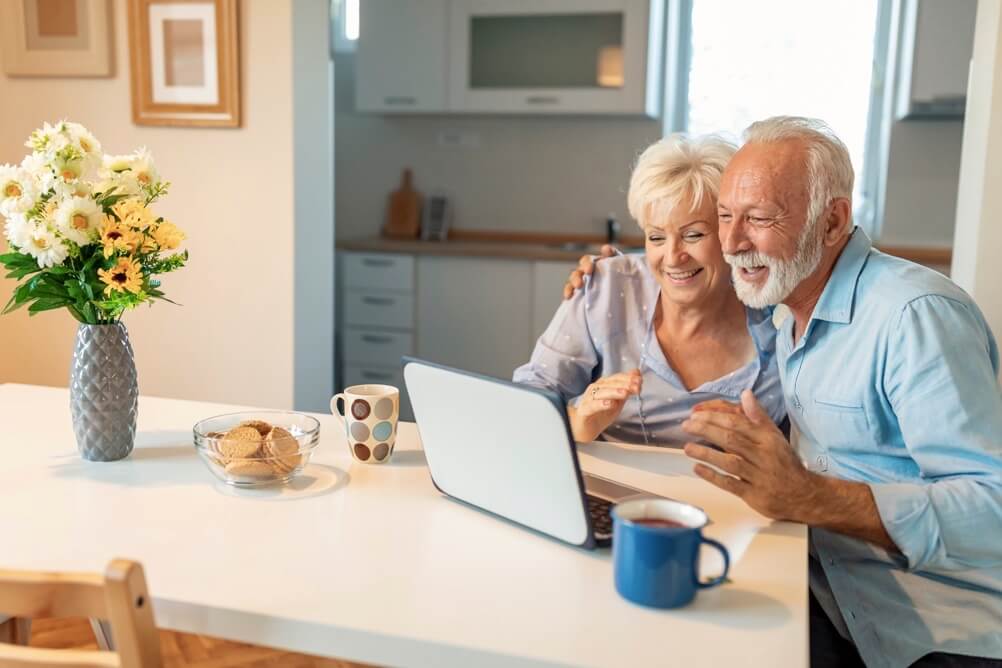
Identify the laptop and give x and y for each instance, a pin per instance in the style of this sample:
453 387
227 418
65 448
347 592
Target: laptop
507 449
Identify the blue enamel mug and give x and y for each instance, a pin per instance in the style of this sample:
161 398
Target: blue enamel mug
655 552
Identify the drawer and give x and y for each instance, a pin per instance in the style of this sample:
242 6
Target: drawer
378 271
367 346
379 309
361 375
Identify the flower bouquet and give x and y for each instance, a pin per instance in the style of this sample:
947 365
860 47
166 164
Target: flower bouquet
82 236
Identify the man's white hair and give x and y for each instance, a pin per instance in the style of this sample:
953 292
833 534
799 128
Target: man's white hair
829 169
675 170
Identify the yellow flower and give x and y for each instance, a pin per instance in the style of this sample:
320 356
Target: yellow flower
125 276
168 235
131 212
117 237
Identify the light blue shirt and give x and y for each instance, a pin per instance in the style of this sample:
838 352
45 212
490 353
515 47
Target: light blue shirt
894 384
606 328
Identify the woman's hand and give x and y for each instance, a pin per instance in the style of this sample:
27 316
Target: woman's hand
602 403
586 265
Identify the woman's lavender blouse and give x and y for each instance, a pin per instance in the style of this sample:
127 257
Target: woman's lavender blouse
606 329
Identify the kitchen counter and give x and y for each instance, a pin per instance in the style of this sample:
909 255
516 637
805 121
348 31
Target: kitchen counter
569 251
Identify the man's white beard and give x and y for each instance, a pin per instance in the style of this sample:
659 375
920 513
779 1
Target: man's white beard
784 275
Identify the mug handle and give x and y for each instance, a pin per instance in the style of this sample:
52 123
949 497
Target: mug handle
713 582
334 411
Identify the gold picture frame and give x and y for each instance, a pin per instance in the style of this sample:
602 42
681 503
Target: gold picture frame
185 62
56 38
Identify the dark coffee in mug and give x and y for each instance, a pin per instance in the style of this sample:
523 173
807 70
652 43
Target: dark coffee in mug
659 523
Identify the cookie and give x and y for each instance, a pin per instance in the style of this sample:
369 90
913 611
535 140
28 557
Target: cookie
282 450
239 443
262 427
249 468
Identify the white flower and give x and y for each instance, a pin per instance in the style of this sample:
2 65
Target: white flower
124 183
47 249
143 169
16 229
18 190
116 163
84 140
48 140
79 219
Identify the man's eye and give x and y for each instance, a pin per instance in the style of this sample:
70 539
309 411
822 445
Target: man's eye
724 217
757 221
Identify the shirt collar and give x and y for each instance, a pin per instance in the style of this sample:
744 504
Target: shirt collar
835 304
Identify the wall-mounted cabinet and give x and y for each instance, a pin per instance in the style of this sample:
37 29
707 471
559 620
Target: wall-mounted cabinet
401 60
511 56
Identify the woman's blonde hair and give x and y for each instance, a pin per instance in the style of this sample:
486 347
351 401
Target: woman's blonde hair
675 170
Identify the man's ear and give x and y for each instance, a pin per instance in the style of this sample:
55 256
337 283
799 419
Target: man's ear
838 220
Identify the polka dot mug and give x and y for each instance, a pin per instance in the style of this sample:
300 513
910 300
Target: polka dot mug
369 417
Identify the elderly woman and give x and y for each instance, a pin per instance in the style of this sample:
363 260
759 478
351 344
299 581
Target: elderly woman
651 336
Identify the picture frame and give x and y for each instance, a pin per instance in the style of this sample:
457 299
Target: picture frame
57 38
185 62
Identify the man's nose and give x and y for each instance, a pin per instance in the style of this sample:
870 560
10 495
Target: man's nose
734 238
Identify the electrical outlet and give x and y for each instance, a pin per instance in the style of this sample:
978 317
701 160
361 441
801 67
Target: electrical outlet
468 139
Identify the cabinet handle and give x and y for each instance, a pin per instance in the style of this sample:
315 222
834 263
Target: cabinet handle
379 301
376 262
402 100
542 99
375 375
372 338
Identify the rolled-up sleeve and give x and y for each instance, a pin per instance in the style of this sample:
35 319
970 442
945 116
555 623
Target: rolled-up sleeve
565 357
940 379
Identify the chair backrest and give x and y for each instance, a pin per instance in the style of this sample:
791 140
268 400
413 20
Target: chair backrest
119 596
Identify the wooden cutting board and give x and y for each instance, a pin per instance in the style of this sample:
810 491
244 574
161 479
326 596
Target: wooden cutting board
403 211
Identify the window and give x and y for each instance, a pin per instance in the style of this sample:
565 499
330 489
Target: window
744 61
344 15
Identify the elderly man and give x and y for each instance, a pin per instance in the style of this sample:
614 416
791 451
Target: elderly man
890 377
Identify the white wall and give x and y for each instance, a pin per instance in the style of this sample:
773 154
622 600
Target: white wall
976 266
232 192
922 172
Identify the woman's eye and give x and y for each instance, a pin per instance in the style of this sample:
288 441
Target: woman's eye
655 238
695 236
724 217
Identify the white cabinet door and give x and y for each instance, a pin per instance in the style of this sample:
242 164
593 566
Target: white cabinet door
556 56
401 58
548 280
474 314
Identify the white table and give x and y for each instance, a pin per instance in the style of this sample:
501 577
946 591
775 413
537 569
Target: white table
370 563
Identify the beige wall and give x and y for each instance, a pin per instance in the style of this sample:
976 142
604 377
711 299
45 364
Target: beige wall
232 192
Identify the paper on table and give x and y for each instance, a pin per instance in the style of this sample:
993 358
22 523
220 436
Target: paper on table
736 533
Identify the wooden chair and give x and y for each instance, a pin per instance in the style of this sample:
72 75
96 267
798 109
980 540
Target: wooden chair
119 596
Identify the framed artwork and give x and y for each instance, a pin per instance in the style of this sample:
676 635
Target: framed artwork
185 62
56 38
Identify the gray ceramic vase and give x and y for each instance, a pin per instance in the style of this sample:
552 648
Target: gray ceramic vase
104 395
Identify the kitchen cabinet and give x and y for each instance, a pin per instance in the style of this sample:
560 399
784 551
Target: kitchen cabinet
548 280
474 313
377 309
556 56
511 56
401 57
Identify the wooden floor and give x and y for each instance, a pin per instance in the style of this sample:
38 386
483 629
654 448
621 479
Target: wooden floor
181 650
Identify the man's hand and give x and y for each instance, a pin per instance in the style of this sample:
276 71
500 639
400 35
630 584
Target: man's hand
761 467
602 403
586 265
758 463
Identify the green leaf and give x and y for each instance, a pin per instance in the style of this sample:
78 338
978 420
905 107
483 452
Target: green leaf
47 305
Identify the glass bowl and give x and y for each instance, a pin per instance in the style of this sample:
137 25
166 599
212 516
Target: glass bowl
274 455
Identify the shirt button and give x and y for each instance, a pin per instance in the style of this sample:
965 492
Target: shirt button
831 562
796 404
822 462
